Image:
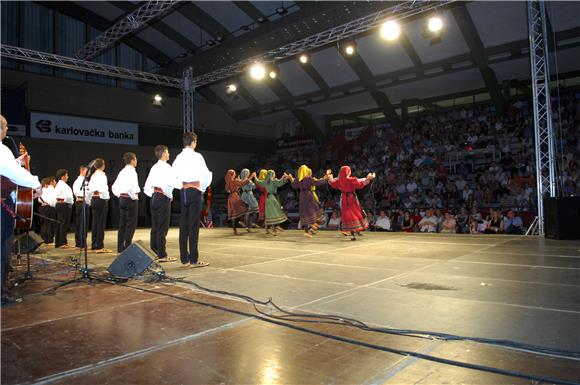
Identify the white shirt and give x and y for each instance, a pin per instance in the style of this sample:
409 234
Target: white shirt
63 191
432 227
10 169
127 183
383 223
160 176
98 183
48 196
78 187
189 166
334 222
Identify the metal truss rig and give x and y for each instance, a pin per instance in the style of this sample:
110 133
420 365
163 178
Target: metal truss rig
400 11
187 94
10 52
544 138
129 24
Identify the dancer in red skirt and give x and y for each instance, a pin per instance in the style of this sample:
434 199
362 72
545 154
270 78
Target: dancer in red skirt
263 196
236 208
353 220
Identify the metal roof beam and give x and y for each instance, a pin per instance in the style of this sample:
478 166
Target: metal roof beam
204 20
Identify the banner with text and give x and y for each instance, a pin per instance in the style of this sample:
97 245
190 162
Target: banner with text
74 128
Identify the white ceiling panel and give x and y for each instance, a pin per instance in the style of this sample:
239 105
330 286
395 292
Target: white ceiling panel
102 8
296 79
333 67
440 85
564 14
452 43
381 56
345 105
236 105
188 29
162 42
499 22
272 119
226 13
518 69
259 90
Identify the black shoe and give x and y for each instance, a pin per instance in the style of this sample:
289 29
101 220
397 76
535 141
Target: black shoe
353 239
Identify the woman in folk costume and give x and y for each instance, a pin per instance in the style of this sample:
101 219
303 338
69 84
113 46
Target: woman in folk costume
236 208
263 195
274 213
249 199
353 220
310 213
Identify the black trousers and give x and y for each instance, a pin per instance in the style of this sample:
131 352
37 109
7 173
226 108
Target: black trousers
7 239
80 236
128 211
47 227
189 225
99 211
63 216
160 220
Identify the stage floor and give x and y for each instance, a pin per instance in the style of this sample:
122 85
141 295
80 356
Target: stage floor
523 289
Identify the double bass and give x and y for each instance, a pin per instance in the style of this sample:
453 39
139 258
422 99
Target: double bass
24 196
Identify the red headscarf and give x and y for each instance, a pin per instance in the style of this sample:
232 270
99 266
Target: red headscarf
344 182
229 179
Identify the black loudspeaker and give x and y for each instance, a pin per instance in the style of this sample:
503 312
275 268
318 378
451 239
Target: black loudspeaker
561 216
133 261
28 242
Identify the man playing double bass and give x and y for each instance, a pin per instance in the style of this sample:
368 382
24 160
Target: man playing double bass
11 171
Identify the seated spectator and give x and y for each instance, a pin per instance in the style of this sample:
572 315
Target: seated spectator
334 222
449 224
417 217
513 224
407 222
462 222
429 223
324 222
495 224
371 218
383 222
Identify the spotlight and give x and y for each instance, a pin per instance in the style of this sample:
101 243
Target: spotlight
231 88
304 59
435 24
390 30
257 71
261 20
349 47
157 100
220 39
281 11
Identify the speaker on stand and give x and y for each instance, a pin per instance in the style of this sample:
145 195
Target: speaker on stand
133 261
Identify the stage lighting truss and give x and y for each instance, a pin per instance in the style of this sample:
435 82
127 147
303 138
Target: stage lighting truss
399 11
129 24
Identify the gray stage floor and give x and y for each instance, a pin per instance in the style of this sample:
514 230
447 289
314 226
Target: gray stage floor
525 289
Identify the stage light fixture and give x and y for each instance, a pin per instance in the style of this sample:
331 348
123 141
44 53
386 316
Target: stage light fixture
231 88
273 74
257 71
435 24
157 100
304 58
349 50
261 20
390 30
281 11
211 42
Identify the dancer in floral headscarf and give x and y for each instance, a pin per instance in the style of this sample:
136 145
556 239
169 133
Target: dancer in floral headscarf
249 199
236 208
310 213
353 220
274 213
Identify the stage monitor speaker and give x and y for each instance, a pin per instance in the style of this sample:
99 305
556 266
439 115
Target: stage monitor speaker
133 261
561 216
28 242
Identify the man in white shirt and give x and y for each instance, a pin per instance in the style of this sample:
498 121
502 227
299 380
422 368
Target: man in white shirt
429 223
98 193
159 187
126 188
64 200
47 210
12 174
383 223
80 207
192 177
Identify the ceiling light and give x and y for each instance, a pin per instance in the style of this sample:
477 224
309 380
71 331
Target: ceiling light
281 11
390 30
273 75
257 71
231 88
304 58
261 20
435 24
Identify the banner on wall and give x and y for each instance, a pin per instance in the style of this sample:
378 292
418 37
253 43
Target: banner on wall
353 133
74 128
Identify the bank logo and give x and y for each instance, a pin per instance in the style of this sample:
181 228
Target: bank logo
44 125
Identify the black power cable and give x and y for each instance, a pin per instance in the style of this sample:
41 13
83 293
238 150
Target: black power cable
267 318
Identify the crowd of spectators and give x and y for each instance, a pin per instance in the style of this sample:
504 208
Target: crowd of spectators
463 170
